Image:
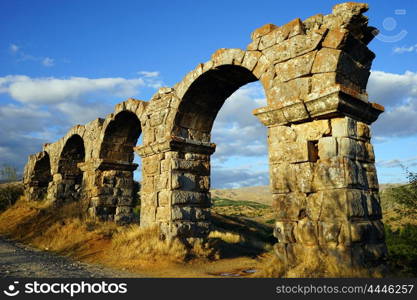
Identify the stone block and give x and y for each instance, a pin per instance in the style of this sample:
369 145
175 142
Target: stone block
375 252
263 30
295 113
329 232
327 147
163 213
290 152
290 92
188 197
373 204
371 177
332 60
369 154
306 232
281 134
329 174
361 231
289 207
363 131
347 147
312 131
189 213
251 59
148 185
296 67
293 28
284 231
164 198
268 40
291 177
150 165
341 38
293 47
378 231
343 127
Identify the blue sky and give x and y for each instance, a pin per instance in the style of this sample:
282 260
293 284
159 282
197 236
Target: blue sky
68 62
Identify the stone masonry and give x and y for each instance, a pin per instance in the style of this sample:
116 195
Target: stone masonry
322 164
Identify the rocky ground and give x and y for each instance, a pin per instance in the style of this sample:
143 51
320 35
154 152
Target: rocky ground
18 260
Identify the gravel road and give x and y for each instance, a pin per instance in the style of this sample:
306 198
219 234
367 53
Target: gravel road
19 260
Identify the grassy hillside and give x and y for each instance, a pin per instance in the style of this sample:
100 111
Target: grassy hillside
240 243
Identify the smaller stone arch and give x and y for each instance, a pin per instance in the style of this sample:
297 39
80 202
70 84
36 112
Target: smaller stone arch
37 176
116 192
120 136
71 176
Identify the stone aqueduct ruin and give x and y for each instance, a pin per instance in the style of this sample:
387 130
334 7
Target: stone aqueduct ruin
322 173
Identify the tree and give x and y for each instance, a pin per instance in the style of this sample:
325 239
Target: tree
8 173
406 196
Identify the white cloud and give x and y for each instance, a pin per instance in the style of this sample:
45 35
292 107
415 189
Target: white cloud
228 178
149 73
398 93
42 110
236 131
240 137
48 62
55 90
14 48
404 49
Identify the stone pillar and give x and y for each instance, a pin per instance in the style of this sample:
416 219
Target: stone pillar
175 187
64 190
109 186
323 179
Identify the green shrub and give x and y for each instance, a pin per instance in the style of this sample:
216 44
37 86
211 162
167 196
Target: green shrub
9 194
402 249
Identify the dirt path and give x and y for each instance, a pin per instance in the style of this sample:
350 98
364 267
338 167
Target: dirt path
19 260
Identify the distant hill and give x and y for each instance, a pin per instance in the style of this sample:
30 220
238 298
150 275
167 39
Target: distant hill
262 194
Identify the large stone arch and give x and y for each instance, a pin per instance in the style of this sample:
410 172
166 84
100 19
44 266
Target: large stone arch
322 172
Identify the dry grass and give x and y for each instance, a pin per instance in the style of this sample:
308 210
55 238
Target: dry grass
228 237
66 231
312 264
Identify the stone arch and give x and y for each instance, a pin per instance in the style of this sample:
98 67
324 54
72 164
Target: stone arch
117 192
175 192
72 154
314 73
204 98
120 136
202 92
37 176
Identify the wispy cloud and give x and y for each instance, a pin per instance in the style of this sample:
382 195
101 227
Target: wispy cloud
405 49
149 73
398 163
14 48
48 62
23 56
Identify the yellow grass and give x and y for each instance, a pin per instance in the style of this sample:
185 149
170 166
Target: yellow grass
66 231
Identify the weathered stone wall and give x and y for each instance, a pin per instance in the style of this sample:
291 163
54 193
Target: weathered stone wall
322 173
